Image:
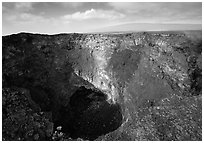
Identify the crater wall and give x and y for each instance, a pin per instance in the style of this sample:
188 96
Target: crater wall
150 75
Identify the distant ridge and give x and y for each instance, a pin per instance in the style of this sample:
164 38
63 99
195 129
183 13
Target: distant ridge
136 27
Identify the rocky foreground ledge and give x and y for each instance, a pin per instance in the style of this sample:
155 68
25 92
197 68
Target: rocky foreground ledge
132 86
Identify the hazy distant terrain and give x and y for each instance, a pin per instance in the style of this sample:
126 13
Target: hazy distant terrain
137 27
112 86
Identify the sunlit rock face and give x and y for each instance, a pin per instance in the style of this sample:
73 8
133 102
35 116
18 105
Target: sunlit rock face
143 86
100 49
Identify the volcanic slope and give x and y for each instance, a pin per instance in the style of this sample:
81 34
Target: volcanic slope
132 86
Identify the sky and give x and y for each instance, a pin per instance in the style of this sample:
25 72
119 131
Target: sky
66 17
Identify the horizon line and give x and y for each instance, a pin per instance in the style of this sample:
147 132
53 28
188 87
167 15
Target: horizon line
105 32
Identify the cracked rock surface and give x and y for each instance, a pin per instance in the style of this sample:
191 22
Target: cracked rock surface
135 86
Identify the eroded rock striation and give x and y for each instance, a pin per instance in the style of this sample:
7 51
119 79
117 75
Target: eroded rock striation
131 86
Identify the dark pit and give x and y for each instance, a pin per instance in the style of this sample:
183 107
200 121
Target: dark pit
89 115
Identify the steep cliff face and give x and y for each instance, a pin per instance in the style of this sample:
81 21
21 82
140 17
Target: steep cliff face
138 86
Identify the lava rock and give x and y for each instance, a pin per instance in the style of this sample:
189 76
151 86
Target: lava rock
124 77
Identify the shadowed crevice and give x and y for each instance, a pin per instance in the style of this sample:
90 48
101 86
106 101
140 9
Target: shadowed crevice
89 115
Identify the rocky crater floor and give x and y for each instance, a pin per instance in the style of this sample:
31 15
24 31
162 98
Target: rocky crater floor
111 87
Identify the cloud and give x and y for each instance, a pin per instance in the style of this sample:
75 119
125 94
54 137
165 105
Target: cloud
71 4
24 17
131 7
161 11
94 14
159 8
29 17
47 16
23 6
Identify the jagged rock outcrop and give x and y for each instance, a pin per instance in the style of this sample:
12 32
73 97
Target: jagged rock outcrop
154 77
